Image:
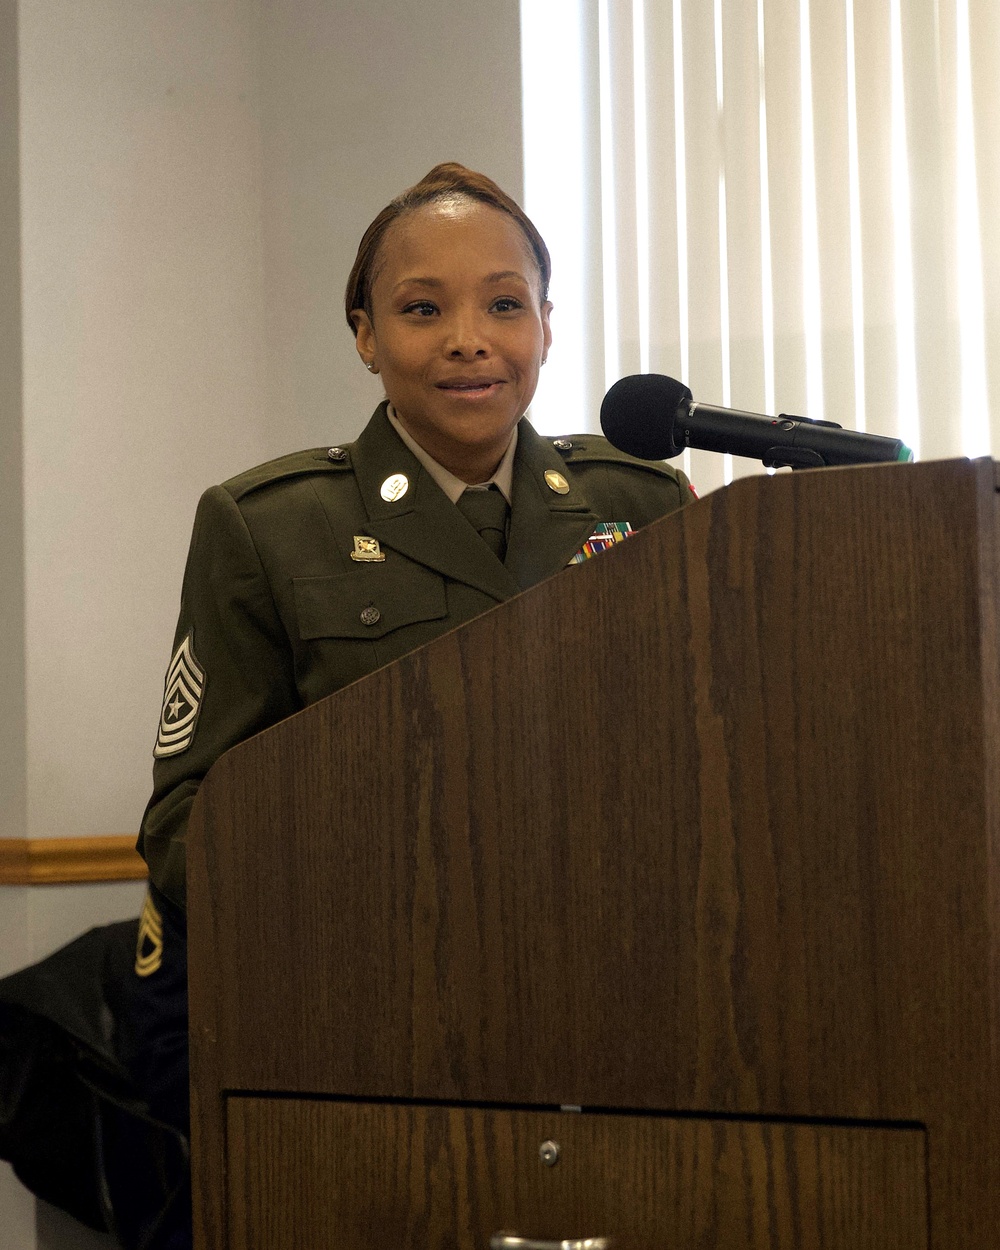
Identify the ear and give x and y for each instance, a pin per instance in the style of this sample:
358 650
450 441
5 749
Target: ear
546 328
365 338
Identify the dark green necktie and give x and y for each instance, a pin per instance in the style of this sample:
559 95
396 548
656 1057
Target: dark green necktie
487 512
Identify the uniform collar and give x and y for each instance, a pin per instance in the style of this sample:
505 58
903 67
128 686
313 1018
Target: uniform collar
453 486
547 528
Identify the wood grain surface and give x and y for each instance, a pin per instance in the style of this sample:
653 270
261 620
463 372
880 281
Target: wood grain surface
60 861
376 1177
706 825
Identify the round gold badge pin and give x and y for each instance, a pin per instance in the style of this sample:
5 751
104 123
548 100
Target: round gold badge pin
555 481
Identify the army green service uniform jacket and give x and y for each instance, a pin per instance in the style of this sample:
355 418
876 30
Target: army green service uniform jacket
275 613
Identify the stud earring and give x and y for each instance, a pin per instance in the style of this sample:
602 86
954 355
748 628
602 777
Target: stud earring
371 366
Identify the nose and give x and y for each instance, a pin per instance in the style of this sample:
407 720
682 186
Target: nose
466 336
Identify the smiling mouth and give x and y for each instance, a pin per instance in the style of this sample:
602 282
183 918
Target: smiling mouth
469 388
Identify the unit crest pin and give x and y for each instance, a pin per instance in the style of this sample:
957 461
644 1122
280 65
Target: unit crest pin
367 550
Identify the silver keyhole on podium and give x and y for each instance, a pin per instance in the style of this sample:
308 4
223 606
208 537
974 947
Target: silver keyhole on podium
549 1152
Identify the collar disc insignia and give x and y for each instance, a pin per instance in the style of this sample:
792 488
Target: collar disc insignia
394 487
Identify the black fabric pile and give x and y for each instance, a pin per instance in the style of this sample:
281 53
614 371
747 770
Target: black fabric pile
72 1122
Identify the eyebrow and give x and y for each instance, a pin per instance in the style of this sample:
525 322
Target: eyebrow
502 275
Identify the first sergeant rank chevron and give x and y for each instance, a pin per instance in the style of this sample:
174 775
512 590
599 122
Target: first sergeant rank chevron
182 695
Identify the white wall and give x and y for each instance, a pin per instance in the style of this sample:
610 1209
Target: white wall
12 721
143 355
192 182
17 1214
358 102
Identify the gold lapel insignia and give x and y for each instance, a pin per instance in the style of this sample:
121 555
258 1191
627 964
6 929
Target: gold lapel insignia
394 487
555 481
367 550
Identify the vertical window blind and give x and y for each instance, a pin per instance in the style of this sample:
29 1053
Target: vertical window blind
790 205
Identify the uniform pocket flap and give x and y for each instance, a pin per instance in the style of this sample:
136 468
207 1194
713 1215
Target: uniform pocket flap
369 602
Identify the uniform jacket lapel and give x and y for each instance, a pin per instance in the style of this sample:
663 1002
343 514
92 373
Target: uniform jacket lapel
424 524
546 528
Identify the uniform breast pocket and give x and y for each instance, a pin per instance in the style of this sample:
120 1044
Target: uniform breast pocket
369 603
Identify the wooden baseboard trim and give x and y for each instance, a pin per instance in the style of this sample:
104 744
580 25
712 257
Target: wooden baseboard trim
59 861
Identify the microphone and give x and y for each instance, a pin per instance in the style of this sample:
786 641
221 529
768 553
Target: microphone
654 417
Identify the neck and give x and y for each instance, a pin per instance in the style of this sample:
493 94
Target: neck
474 472
470 464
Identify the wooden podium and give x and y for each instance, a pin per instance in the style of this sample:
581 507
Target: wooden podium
700 836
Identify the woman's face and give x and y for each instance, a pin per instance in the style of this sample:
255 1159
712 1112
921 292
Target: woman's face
457 331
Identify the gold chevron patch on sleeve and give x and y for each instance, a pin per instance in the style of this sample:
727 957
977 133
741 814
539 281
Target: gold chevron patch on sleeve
149 944
182 694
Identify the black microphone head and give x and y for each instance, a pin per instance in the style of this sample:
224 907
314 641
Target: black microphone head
638 413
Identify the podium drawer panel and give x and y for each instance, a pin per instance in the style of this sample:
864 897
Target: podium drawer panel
358 1176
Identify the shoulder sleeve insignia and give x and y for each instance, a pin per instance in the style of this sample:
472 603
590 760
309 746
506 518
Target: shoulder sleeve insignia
149 944
183 691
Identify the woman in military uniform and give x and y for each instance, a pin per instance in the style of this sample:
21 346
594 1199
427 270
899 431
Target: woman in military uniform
311 571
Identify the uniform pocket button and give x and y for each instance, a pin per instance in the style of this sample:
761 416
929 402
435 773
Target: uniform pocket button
370 615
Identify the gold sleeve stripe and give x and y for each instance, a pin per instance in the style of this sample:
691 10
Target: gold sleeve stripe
149 944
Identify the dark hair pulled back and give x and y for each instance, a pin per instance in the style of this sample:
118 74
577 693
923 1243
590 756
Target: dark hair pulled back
446 181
